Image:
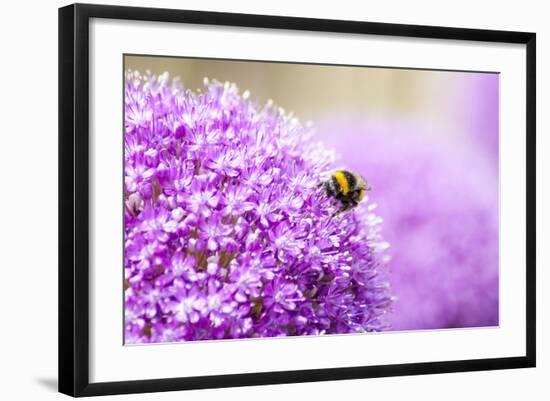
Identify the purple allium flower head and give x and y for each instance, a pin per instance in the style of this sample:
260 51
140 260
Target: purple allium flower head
439 199
227 231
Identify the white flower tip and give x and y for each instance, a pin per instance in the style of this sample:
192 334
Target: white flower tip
164 76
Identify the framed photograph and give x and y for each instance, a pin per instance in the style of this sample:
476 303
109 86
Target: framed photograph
250 199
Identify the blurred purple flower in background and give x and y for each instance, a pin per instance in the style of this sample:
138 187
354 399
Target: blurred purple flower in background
475 104
227 233
439 200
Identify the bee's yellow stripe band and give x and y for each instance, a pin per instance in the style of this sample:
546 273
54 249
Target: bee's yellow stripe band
342 181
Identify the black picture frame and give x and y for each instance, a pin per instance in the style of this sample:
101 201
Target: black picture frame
74 194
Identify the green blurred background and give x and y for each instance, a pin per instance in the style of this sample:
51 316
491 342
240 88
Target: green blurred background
317 91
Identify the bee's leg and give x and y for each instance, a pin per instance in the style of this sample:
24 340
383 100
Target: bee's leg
345 206
340 210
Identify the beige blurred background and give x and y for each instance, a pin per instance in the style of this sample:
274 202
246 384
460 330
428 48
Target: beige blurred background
313 92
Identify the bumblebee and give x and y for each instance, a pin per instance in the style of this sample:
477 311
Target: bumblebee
347 187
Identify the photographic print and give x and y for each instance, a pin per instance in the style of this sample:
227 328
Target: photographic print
269 199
